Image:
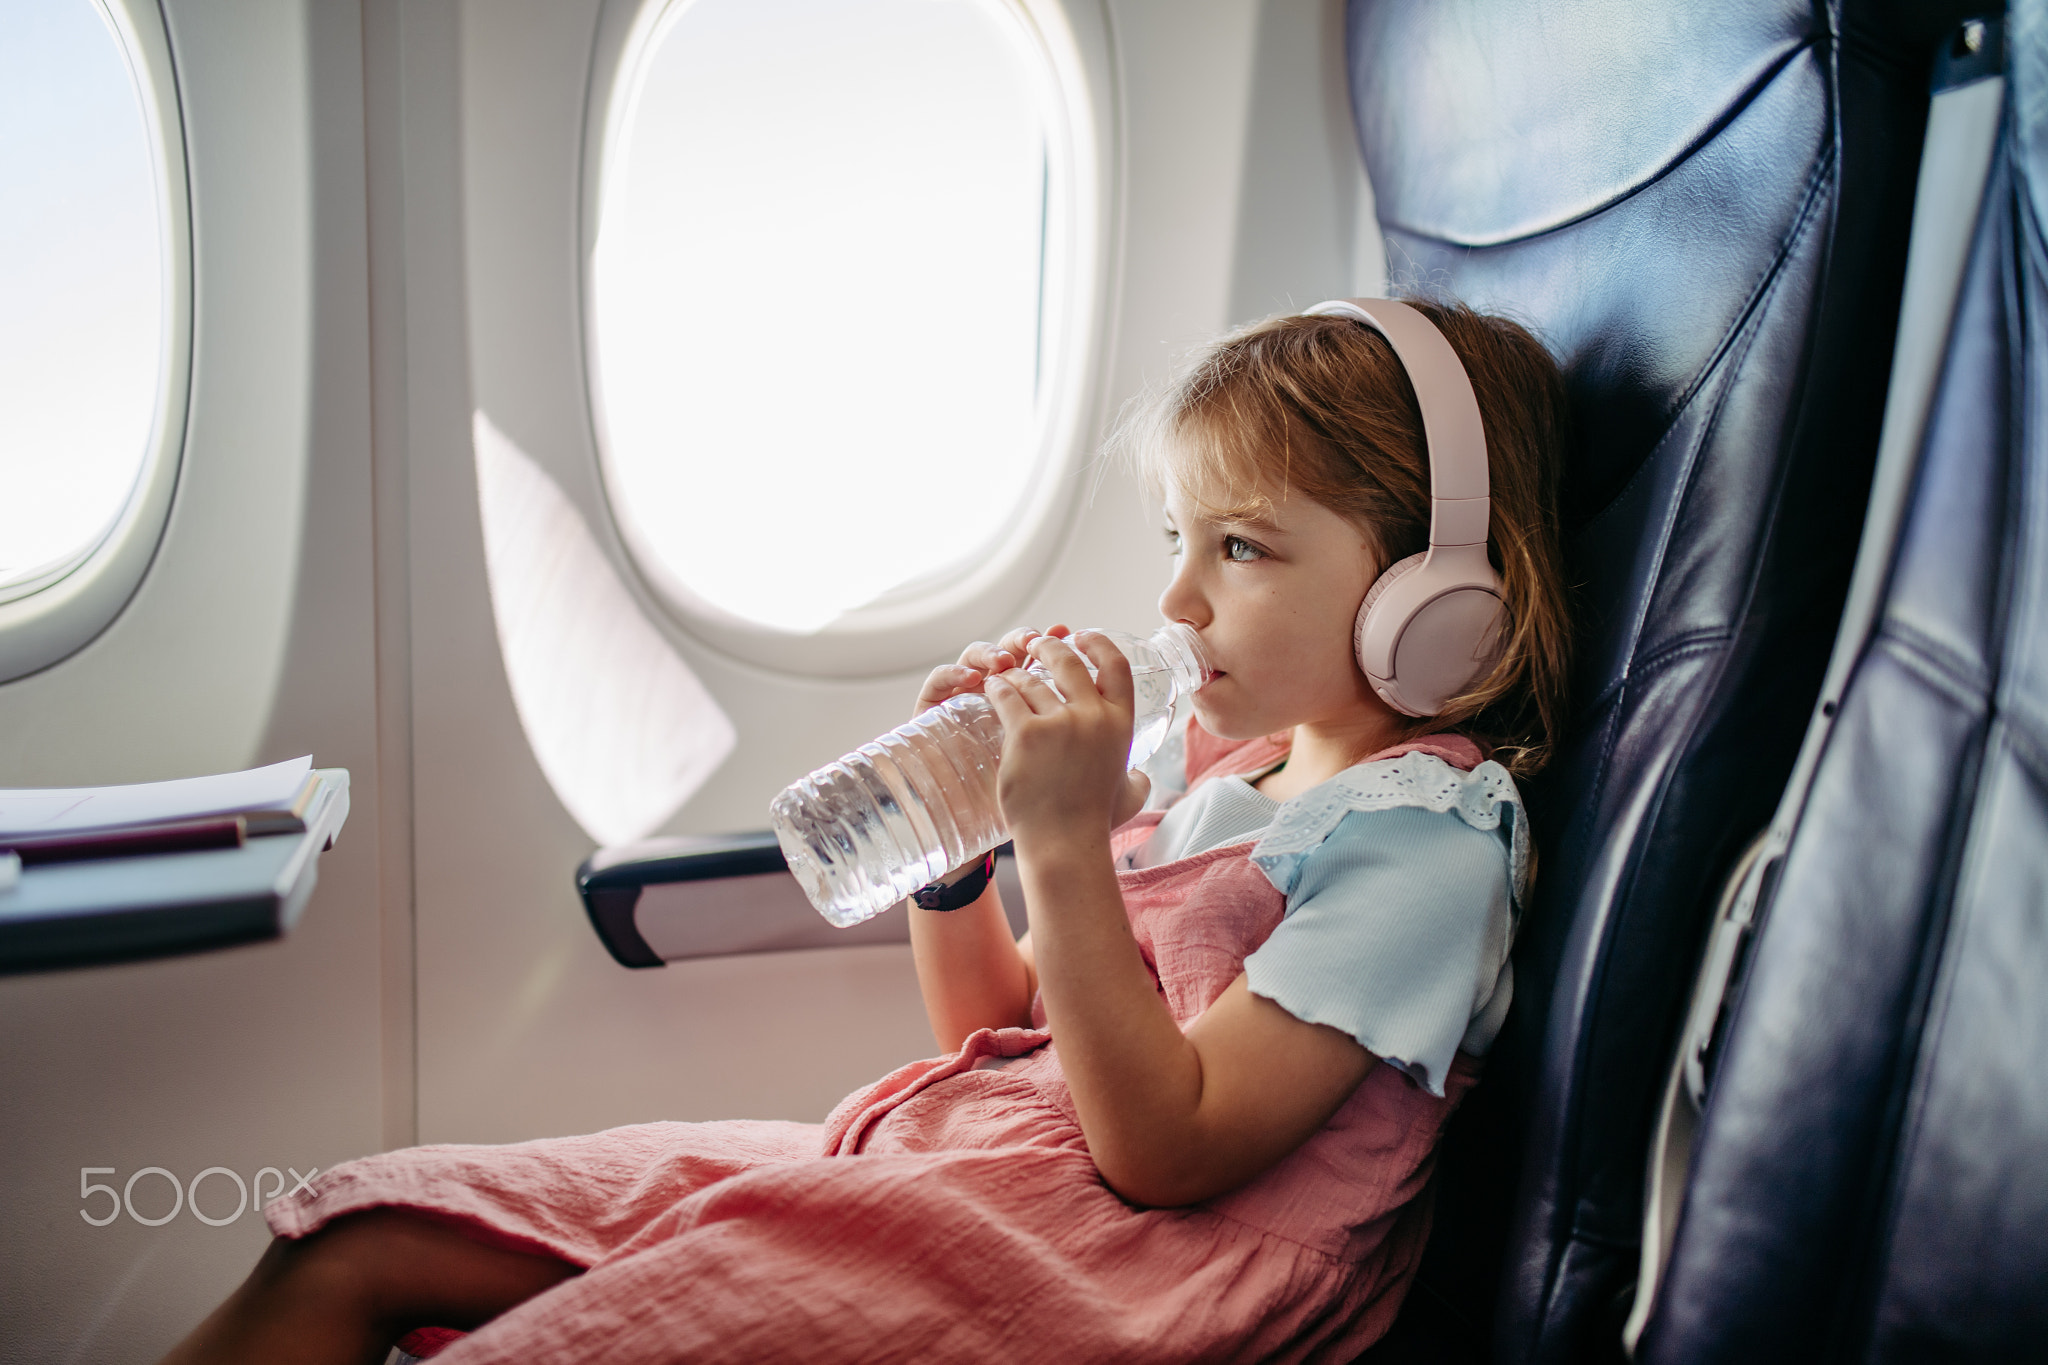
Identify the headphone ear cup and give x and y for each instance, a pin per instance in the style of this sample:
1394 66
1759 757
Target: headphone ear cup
1422 638
1394 573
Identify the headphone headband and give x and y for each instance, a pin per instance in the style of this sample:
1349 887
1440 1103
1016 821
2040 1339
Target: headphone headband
1430 626
1451 429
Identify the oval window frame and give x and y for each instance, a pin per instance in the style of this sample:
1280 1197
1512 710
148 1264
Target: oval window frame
927 619
51 617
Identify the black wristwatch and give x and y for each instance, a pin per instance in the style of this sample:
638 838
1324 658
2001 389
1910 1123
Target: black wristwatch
966 891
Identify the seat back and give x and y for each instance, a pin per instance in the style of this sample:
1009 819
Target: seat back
1703 209
1870 1177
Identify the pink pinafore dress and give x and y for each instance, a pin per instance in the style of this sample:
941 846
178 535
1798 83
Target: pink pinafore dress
950 1212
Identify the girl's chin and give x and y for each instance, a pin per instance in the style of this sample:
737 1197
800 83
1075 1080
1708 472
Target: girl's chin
1224 721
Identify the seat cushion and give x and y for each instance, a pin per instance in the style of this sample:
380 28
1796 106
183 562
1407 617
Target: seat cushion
1704 211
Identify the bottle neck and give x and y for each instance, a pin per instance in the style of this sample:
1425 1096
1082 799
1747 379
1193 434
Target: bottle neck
1174 645
1181 649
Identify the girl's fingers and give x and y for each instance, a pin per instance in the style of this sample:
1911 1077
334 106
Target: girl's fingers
984 657
1112 669
1018 641
1137 786
1068 671
1010 706
950 678
1039 697
937 682
1013 646
946 682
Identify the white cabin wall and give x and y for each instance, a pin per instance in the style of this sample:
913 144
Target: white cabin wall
1244 196
1305 226
1184 71
526 1026
372 268
250 640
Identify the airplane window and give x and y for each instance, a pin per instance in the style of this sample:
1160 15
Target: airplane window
828 245
83 270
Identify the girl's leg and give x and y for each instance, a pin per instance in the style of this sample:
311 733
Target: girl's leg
346 1292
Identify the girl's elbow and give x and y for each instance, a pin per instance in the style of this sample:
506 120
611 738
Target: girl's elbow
1160 1184
1147 1194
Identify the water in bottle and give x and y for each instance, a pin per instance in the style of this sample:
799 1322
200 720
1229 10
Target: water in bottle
864 832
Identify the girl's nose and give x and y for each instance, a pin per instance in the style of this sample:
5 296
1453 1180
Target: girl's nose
1182 600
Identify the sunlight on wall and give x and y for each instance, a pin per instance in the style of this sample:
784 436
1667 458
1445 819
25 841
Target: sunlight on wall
622 728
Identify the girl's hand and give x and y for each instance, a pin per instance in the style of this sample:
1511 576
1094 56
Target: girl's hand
973 971
978 662
1063 772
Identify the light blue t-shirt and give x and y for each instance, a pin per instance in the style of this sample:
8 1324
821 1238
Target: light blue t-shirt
1403 880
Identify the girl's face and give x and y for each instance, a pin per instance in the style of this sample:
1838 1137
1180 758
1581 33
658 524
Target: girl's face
1274 601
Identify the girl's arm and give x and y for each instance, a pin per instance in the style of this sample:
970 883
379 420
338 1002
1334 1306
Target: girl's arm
1170 1117
971 969
972 972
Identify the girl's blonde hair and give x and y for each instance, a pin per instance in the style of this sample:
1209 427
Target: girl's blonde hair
1322 407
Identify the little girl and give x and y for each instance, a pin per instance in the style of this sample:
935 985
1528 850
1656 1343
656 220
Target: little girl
1191 1113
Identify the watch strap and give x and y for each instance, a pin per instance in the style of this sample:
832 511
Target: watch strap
951 896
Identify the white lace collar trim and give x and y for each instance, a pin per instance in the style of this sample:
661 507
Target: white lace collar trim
1482 798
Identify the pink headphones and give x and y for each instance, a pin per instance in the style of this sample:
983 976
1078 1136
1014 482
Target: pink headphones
1432 623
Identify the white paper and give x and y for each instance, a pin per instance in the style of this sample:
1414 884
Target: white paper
26 812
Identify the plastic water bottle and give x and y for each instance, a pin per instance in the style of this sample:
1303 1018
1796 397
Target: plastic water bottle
865 832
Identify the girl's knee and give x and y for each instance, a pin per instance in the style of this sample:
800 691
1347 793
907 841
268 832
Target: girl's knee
347 1265
405 1270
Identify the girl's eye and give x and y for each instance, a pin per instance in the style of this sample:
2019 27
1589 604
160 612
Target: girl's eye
1173 545
1241 551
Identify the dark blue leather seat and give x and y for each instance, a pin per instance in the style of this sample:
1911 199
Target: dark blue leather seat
1704 210
1870 1179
